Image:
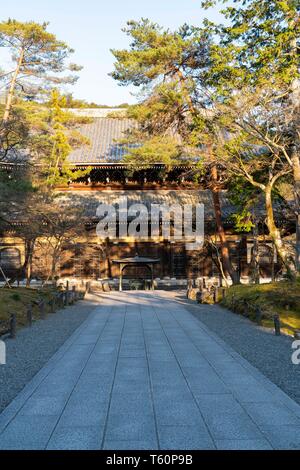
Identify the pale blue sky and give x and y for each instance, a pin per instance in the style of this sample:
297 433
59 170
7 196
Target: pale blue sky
93 27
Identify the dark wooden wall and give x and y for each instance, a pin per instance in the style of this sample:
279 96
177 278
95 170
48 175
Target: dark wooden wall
96 261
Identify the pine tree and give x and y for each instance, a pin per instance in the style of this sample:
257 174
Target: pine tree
58 143
39 59
171 67
260 48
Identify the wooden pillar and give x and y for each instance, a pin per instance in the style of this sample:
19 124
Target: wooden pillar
166 259
107 254
152 280
120 278
277 325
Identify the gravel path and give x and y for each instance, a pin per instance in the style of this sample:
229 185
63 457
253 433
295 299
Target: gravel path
34 346
268 353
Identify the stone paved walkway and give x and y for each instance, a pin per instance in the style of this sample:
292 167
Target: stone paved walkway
143 373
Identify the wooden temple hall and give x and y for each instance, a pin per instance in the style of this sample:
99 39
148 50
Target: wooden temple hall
90 257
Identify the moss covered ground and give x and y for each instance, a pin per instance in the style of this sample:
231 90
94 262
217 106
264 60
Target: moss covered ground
18 299
281 298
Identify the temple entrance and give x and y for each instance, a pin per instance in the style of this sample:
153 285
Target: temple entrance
136 262
138 277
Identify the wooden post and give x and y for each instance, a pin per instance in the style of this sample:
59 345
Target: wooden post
13 325
29 315
258 315
87 287
67 293
199 296
277 324
74 294
42 309
52 304
120 278
189 287
152 277
216 295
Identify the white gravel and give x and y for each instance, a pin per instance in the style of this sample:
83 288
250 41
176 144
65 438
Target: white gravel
34 346
268 353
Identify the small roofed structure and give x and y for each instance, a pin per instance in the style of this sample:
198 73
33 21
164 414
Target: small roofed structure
136 261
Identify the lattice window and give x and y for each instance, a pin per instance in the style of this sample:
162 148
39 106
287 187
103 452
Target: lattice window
178 258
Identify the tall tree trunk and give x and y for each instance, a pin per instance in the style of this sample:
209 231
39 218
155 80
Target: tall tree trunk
296 176
225 256
273 276
12 86
53 264
297 261
295 150
219 265
276 236
227 267
29 247
255 274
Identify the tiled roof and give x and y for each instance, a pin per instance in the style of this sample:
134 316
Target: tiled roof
88 201
104 133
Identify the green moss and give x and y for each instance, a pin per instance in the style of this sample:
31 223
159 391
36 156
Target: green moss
15 296
280 297
18 299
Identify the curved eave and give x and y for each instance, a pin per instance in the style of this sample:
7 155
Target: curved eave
101 165
136 262
125 166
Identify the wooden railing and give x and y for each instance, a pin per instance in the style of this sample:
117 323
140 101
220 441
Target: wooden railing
59 300
9 327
